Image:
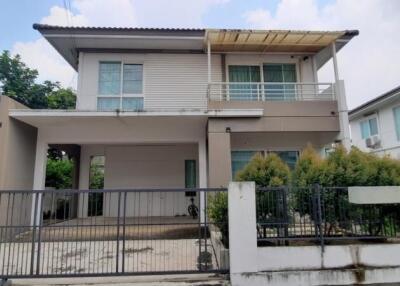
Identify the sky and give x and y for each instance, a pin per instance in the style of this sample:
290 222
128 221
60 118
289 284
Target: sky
369 64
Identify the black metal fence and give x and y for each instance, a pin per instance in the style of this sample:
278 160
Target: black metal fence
288 215
59 233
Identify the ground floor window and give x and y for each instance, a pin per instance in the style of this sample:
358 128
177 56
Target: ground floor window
241 158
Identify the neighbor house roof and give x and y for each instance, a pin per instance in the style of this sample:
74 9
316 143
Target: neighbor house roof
377 102
69 41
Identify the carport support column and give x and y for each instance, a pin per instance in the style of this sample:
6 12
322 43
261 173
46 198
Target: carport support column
39 177
219 159
84 177
202 177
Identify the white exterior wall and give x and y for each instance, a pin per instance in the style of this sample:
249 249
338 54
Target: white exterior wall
176 81
280 141
148 167
386 129
170 81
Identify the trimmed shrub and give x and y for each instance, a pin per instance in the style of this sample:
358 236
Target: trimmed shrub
308 168
268 171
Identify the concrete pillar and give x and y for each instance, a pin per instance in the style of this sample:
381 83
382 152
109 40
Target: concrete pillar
219 159
340 92
39 176
344 135
84 175
242 228
202 176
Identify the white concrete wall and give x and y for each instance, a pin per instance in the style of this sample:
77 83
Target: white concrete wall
148 167
386 128
170 81
300 265
280 141
333 256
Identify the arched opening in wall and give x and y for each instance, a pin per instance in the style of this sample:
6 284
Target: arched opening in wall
96 182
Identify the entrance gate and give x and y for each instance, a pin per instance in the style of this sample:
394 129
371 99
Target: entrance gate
49 233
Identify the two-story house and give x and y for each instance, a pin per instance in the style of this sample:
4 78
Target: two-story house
375 125
176 108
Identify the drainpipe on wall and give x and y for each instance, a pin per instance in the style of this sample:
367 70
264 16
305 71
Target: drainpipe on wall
344 135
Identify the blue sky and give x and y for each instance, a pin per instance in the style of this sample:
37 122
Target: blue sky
361 62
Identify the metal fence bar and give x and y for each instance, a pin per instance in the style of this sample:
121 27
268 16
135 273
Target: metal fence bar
124 232
321 214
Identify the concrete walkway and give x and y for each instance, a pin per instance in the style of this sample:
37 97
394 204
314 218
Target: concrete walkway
155 280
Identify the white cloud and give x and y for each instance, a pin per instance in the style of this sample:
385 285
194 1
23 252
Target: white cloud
369 63
43 57
116 13
62 17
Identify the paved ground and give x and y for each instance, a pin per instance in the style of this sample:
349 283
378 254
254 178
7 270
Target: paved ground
100 228
101 256
161 280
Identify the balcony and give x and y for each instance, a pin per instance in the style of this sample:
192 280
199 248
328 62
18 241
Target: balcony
270 91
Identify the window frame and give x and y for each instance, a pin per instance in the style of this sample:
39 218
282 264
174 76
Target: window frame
261 64
265 152
367 119
394 119
121 94
189 193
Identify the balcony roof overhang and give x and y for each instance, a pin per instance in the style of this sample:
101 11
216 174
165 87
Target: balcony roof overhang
69 41
41 118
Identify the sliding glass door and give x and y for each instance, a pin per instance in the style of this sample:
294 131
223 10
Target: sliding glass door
283 75
241 79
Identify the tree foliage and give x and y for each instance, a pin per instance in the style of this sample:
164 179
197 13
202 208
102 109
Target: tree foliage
19 82
343 169
59 173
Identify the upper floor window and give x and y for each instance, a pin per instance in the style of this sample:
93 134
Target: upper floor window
120 86
369 127
283 75
241 79
276 82
396 112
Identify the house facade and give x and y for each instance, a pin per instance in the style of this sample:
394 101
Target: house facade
375 125
188 108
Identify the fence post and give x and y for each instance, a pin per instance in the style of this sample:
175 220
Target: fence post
242 228
118 226
35 206
319 214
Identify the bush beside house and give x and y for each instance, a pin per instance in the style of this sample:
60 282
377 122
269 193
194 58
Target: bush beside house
339 169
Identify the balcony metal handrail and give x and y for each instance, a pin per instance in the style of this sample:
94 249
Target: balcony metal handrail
270 91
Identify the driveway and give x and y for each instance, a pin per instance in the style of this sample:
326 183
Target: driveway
155 280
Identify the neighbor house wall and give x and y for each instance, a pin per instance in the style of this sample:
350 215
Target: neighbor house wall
386 128
174 81
17 149
17 157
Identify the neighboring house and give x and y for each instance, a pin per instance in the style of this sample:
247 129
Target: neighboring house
185 108
375 125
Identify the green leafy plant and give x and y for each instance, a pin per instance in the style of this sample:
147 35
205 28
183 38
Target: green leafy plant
59 173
